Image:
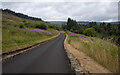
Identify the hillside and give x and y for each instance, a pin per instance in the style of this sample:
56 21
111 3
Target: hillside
22 31
11 17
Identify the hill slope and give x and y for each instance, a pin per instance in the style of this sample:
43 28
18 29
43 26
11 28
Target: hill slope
21 31
11 17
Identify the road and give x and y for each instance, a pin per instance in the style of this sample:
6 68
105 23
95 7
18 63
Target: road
49 57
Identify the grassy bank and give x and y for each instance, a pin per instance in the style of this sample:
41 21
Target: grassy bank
0 39
16 38
104 52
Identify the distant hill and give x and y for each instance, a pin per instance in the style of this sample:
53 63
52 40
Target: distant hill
57 22
11 17
78 22
83 22
64 22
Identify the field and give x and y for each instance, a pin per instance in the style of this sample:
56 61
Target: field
15 38
103 51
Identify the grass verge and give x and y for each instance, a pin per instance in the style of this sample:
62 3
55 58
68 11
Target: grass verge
104 52
14 38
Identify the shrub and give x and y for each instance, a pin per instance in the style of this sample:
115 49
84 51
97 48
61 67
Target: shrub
90 32
42 26
118 40
51 26
24 21
22 26
71 30
80 31
57 27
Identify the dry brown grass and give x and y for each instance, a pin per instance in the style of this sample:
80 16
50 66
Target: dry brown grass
102 51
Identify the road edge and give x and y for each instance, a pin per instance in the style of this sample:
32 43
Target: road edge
13 53
75 64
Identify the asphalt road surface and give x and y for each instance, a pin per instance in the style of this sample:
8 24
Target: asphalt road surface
49 57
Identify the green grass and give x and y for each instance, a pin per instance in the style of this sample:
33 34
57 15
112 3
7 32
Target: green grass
13 38
0 39
103 51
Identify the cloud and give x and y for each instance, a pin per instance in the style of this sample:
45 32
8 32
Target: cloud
59 0
80 11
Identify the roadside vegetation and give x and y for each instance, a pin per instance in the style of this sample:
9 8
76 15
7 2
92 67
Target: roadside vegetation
16 38
103 51
101 30
19 30
100 41
0 39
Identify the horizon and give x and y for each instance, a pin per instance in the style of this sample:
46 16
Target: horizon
79 21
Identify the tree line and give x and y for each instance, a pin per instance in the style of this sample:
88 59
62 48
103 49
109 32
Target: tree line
102 30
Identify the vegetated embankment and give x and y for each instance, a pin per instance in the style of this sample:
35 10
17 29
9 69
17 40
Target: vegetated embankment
102 51
15 38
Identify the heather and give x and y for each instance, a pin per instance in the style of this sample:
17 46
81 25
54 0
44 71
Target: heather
103 51
73 34
28 29
15 38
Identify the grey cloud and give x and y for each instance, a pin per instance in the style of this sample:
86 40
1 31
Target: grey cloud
81 11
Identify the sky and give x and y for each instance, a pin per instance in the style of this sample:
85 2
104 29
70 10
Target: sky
60 11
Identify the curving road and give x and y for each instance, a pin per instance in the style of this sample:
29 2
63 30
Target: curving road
49 57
